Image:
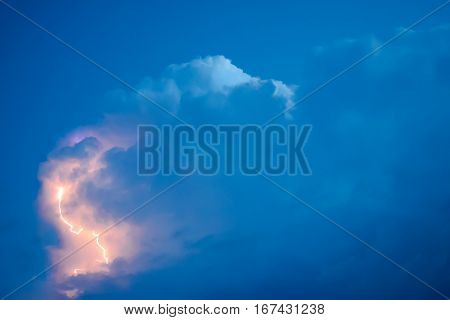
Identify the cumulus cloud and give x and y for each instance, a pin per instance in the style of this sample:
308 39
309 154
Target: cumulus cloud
90 181
378 169
209 75
212 83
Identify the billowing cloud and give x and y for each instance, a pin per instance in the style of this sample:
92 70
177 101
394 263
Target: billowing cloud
379 166
90 181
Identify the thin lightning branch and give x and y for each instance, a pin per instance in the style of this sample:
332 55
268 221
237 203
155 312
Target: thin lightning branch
60 196
96 235
97 240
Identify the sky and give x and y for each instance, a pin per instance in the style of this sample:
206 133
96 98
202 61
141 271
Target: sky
378 149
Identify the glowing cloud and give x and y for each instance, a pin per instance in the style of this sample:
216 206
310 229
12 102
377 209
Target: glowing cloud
89 181
75 216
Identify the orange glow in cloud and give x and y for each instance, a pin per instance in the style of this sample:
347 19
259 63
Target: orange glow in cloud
78 218
59 195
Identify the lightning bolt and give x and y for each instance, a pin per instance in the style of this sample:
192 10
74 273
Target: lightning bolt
97 239
61 216
105 260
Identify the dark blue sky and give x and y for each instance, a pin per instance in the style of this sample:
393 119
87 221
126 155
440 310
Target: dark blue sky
378 150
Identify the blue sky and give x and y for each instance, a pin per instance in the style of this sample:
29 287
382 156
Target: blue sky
378 149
